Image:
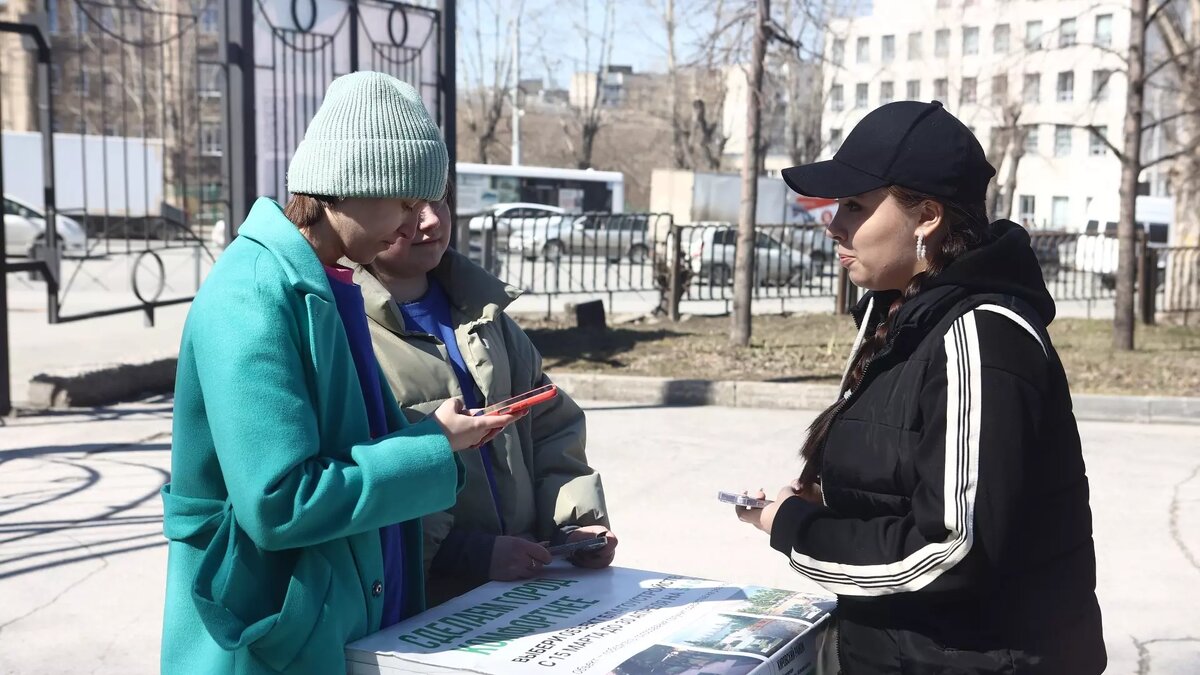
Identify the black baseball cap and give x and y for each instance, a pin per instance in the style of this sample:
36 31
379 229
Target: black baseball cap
915 145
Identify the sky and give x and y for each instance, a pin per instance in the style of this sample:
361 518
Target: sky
552 31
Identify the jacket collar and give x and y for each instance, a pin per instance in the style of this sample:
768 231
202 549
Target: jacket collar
476 295
267 225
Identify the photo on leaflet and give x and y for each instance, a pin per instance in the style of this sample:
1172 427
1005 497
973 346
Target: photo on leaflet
735 633
784 604
674 660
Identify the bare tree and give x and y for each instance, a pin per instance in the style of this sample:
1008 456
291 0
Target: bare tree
1178 22
588 115
743 265
486 63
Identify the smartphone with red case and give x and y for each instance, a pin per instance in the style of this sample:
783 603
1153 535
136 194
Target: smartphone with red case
521 402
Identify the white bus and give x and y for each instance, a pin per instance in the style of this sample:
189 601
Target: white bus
481 186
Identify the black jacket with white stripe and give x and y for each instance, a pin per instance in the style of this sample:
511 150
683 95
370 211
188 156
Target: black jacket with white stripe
957 531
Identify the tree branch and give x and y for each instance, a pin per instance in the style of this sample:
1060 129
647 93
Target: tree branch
1096 132
1169 118
1154 14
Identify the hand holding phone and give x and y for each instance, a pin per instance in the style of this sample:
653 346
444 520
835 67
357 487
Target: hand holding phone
743 500
563 550
520 403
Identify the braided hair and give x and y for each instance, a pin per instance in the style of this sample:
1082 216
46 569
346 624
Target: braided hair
968 228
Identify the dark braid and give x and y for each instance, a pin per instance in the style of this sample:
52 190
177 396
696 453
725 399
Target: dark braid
968 229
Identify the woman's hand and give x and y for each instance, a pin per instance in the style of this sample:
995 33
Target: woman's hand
516 558
594 559
764 518
467 431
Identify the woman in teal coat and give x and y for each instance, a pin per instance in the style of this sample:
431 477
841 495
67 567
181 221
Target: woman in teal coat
297 485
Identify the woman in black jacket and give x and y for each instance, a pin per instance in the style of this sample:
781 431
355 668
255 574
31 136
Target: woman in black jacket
943 496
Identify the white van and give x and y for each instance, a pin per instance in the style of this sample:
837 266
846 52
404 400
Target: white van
1097 248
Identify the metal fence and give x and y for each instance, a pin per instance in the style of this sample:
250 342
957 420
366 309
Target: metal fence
1177 281
595 254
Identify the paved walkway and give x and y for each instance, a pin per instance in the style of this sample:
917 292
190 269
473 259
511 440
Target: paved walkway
82 558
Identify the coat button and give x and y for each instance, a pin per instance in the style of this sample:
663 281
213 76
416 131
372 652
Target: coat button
377 588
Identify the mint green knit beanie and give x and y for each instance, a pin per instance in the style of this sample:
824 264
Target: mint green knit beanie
371 137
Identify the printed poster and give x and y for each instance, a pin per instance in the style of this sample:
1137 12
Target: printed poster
617 621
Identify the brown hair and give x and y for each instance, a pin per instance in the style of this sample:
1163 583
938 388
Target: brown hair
968 228
307 210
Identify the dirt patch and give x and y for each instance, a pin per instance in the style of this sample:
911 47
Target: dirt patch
813 348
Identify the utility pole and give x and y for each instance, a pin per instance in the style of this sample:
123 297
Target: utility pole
516 92
743 266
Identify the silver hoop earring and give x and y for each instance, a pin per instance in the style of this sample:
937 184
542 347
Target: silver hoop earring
920 246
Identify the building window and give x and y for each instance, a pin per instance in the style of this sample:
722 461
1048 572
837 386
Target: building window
209 19
1096 145
1062 141
1066 86
1104 24
1100 79
941 43
887 93
835 140
85 83
210 80
864 50
1067 33
838 55
860 96
79 19
999 88
1032 91
1033 35
941 89
1031 139
1000 38
1059 207
837 102
912 90
1027 210
210 139
889 48
52 15
914 47
970 40
968 92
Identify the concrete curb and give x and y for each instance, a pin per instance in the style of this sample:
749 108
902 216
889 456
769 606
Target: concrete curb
102 385
113 384
801 396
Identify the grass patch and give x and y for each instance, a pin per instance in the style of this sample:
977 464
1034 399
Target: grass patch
814 347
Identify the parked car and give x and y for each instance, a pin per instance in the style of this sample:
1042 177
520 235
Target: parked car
611 236
712 253
509 218
25 229
811 239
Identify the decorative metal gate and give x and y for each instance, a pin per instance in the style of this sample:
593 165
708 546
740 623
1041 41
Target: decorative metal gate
152 125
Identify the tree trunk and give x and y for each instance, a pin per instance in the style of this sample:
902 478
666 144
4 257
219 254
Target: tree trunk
743 266
1004 200
678 133
1131 164
1182 273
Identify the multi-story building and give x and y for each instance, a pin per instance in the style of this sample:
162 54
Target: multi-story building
1056 63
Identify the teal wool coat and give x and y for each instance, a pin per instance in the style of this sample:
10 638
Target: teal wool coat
278 491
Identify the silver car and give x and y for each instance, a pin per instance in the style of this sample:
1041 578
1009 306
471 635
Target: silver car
25 231
612 236
713 249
